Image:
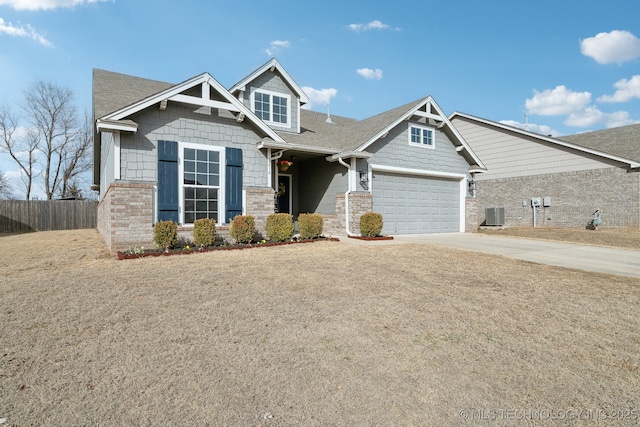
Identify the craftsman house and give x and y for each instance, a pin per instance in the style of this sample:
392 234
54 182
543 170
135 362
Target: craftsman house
196 149
537 180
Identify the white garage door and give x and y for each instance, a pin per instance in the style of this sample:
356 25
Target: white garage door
411 204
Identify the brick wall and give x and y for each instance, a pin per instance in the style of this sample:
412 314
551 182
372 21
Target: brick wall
471 215
574 198
260 204
125 216
359 203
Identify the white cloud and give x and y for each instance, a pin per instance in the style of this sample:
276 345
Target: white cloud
276 45
627 90
592 115
318 96
557 102
616 46
44 4
373 25
370 74
23 31
531 127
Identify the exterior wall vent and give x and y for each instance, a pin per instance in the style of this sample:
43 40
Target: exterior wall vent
494 216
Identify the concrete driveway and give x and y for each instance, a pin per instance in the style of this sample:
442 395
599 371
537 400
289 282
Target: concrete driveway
624 262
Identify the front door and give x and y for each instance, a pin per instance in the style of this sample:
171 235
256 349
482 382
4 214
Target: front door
284 194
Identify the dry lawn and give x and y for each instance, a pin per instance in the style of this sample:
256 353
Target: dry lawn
628 238
316 334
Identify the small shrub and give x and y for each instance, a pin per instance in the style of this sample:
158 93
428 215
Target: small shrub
371 224
243 227
310 225
165 234
204 232
279 227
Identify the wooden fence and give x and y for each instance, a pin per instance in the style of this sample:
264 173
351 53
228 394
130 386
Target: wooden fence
22 216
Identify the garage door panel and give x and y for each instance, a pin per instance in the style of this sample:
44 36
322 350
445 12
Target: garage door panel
411 204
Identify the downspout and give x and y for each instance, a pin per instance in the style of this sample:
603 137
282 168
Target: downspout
273 157
346 196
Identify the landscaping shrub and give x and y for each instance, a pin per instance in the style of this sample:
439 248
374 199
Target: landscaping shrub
243 227
204 232
310 225
165 234
371 224
279 227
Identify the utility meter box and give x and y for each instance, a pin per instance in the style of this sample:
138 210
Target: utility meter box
546 202
536 202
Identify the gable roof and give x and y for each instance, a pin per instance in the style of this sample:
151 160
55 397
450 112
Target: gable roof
155 92
622 141
271 65
350 137
561 142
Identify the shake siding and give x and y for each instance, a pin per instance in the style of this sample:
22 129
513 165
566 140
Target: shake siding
178 123
394 150
509 155
272 82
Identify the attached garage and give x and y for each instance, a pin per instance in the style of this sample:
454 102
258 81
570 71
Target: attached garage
413 204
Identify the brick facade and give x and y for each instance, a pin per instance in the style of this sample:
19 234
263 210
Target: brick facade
574 198
471 215
359 204
260 204
125 216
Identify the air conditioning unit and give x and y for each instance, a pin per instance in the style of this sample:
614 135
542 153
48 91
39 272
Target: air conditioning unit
494 216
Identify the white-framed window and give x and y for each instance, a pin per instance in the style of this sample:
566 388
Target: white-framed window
421 136
201 190
272 107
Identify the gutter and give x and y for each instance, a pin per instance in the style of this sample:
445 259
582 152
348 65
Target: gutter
346 196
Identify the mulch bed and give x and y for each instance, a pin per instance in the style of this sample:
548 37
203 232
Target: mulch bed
372 238
122 255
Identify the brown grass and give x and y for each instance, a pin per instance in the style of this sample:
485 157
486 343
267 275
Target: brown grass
614 237
316 334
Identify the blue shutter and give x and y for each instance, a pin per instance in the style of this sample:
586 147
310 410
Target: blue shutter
233 177
167 181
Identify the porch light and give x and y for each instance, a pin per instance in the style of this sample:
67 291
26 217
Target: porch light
472 186
364 177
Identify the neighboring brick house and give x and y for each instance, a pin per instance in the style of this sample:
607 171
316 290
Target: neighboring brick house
195 149
572 175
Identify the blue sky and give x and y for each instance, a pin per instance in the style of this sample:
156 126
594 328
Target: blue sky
570 65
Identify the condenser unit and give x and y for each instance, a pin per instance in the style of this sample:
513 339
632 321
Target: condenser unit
494 216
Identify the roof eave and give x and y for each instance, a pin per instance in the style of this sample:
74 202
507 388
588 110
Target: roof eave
631 163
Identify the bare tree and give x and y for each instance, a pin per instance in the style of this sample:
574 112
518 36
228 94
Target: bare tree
22 149
49 109
76 159
5 187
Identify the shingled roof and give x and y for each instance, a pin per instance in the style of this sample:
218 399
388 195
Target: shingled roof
621 141
113 91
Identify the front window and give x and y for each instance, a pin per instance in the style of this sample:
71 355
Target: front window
201 183
421 136
272 107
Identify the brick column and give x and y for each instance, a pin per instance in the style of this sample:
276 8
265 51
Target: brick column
260 204
359 204
125 216
471 215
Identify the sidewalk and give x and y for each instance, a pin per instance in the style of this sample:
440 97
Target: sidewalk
625 262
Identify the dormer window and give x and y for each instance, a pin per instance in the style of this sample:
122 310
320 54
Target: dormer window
421 136
271 107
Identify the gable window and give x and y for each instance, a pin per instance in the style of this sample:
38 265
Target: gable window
421 136
272 107
201 183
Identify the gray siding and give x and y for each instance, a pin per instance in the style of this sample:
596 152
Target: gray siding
320 182
179 123
107 149
274 83
508 155
394 150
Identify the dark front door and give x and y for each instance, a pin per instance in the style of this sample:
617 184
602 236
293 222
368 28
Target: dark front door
284 194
